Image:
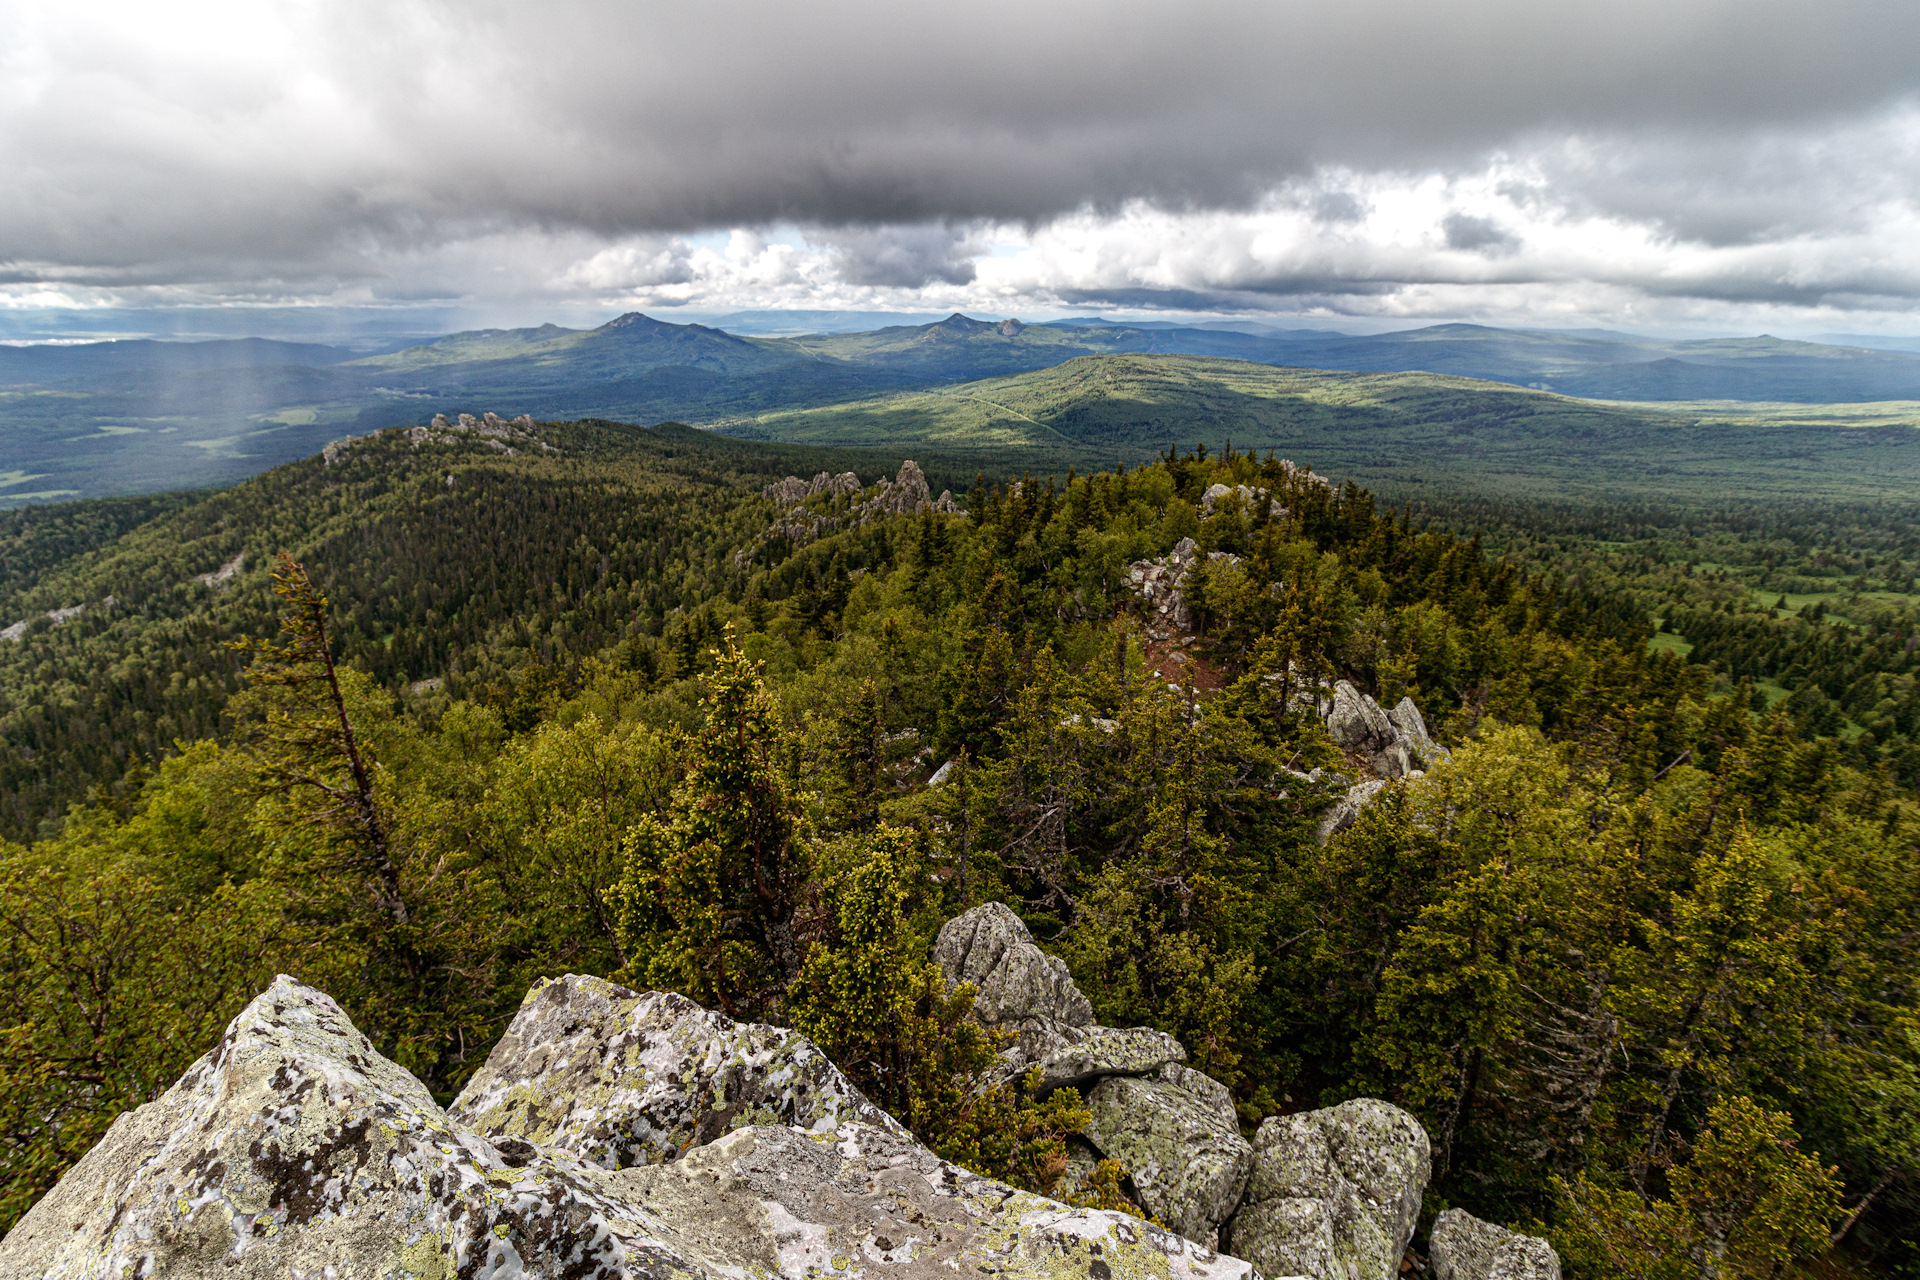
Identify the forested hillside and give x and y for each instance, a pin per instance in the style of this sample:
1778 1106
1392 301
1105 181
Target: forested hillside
1438 402
1639 955
1413 434
452 561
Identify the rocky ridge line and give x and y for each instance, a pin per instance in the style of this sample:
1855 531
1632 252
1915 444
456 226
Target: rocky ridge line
904 495
489 429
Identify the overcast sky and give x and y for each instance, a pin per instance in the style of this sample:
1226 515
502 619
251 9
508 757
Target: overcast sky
1650 164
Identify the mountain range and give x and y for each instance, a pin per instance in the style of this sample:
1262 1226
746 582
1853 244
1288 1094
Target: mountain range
103 418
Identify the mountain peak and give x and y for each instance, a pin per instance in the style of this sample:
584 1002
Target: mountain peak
958 323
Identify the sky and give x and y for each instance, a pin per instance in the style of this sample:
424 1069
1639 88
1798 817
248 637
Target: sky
1668 166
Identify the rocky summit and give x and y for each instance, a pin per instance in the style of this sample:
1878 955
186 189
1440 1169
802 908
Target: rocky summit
294 1149
617 1134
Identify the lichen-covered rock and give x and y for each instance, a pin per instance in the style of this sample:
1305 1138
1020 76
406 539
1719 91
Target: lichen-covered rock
1334 1193
293 1149
1344 811
1095 1052
1465 1248
1022 989
775 1201
1412 728
1178 1137
1355 721
620 1078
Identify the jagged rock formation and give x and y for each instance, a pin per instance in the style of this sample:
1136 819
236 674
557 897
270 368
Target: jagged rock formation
294 1149
1334 1193
1465 1248
619 1078
489 429
1158 583
793 490
905 494
1395 742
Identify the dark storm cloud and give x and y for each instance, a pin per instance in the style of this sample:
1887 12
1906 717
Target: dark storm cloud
1478 235
901 257
343 130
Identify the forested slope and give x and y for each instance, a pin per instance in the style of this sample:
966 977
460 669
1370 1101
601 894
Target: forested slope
1640 958
1411 434
450 561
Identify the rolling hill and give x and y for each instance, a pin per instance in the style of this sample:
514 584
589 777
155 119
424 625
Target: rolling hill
109 418
1401 432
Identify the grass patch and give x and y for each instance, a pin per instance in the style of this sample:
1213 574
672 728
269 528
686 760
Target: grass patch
1668 642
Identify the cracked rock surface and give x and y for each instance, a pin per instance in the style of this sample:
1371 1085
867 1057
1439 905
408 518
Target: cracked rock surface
620 1078
1334 1193
294 1149
1178 1136
1465 1248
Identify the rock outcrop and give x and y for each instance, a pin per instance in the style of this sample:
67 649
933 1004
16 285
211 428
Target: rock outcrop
1333 1194
221 576
1347 808
1159 583
1178 1136
489 429
619 1078
1248 498
294 1149
1021 989
1173 1128
906 494
1394 742
1463 1247
793 490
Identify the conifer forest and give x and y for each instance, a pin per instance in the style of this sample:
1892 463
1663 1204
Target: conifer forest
427 719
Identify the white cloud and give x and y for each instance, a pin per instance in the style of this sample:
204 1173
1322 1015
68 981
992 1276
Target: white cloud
1701 161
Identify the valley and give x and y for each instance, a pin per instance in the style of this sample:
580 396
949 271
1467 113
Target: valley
1423 407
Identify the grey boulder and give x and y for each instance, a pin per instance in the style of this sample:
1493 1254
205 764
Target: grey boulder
1465 1248
620 1078
772 1201
1022 989
1093 1053
1178 1137
294 1149
1333 1194
1345 810
1412 730
1355 721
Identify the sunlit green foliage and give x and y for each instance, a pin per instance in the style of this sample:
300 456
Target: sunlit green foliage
1641 957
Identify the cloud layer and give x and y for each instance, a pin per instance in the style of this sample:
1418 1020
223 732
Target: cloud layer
1689 160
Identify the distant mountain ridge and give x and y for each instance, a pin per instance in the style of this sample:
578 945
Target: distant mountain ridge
141 416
